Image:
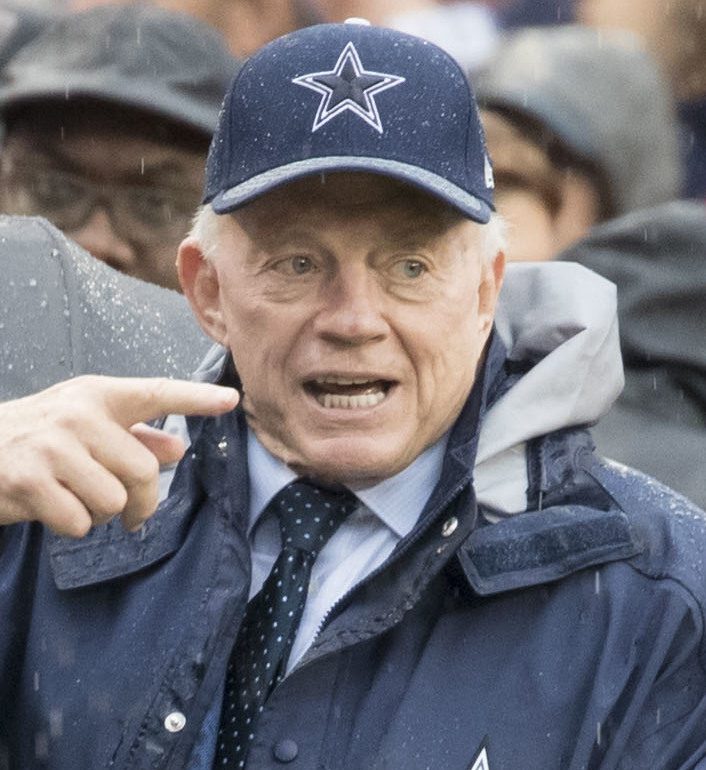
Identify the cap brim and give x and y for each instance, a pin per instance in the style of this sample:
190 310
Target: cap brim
126 94
469 205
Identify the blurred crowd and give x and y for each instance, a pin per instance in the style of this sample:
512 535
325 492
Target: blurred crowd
595 119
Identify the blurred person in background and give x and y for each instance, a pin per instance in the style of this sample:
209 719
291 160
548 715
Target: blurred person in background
108 116
513 14
18 25
675 33
581 128
657 258
245 25
467 30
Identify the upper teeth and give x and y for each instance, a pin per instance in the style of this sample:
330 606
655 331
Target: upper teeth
342 381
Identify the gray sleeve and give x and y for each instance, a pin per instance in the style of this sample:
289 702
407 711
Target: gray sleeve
66 313
36 334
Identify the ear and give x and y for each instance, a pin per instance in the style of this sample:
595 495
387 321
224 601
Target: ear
199 282
492 275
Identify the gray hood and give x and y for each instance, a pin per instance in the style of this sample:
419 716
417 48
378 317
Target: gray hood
562 320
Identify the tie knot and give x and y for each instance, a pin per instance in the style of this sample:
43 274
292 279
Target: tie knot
308 514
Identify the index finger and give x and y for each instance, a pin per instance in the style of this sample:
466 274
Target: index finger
139 399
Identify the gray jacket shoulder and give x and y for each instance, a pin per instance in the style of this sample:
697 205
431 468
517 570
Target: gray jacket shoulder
65 313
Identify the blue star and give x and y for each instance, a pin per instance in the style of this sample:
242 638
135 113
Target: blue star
348 86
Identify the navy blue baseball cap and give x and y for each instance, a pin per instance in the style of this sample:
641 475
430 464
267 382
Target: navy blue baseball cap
350 97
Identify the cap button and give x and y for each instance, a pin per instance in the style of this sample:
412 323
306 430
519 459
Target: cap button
357 20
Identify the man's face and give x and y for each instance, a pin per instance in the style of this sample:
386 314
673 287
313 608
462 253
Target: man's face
356 310
126 198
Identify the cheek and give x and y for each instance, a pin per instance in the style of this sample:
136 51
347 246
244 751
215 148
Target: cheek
261 342
445 353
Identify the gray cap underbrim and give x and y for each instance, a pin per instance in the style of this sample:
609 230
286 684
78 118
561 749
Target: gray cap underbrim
471 206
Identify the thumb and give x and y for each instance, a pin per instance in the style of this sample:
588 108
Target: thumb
167 448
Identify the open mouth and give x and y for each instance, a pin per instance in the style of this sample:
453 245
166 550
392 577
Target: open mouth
348 393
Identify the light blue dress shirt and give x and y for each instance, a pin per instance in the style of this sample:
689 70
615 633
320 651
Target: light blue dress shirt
387 512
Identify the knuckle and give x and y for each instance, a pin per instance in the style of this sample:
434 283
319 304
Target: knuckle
78 388
72 415
77 526
156 389
144 472
51 451
74 401
112 502
20 483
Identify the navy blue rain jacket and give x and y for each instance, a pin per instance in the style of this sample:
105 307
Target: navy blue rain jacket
569 637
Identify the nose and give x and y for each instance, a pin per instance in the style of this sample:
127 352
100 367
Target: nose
98 236
352 312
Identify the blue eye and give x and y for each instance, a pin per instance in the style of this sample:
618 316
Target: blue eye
412 268
301 265
298 265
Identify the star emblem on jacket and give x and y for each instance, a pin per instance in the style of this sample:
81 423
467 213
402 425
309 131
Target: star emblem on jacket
348 87
480 761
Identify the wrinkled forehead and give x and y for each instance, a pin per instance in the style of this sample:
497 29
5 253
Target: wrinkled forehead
348 196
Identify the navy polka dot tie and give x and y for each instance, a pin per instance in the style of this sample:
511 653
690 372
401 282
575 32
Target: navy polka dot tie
308 515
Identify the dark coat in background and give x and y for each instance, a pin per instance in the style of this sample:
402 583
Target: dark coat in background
64 313
657 258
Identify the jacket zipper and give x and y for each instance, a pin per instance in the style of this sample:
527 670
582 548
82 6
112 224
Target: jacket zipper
396 554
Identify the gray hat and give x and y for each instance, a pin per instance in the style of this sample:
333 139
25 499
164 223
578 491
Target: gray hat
164 63
602 96
18 25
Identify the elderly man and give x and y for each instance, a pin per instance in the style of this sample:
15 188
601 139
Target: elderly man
337 578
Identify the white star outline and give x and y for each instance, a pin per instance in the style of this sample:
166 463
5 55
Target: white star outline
481 761
369 115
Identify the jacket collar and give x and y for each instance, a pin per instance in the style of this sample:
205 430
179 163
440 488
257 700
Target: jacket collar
462 446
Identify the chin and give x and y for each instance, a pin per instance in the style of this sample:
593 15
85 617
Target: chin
352 461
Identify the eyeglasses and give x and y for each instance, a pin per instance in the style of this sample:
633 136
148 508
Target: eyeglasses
141 213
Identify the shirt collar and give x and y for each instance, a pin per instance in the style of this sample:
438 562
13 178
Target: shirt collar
397 501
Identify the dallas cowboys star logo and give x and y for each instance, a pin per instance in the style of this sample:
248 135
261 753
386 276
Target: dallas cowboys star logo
348 86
